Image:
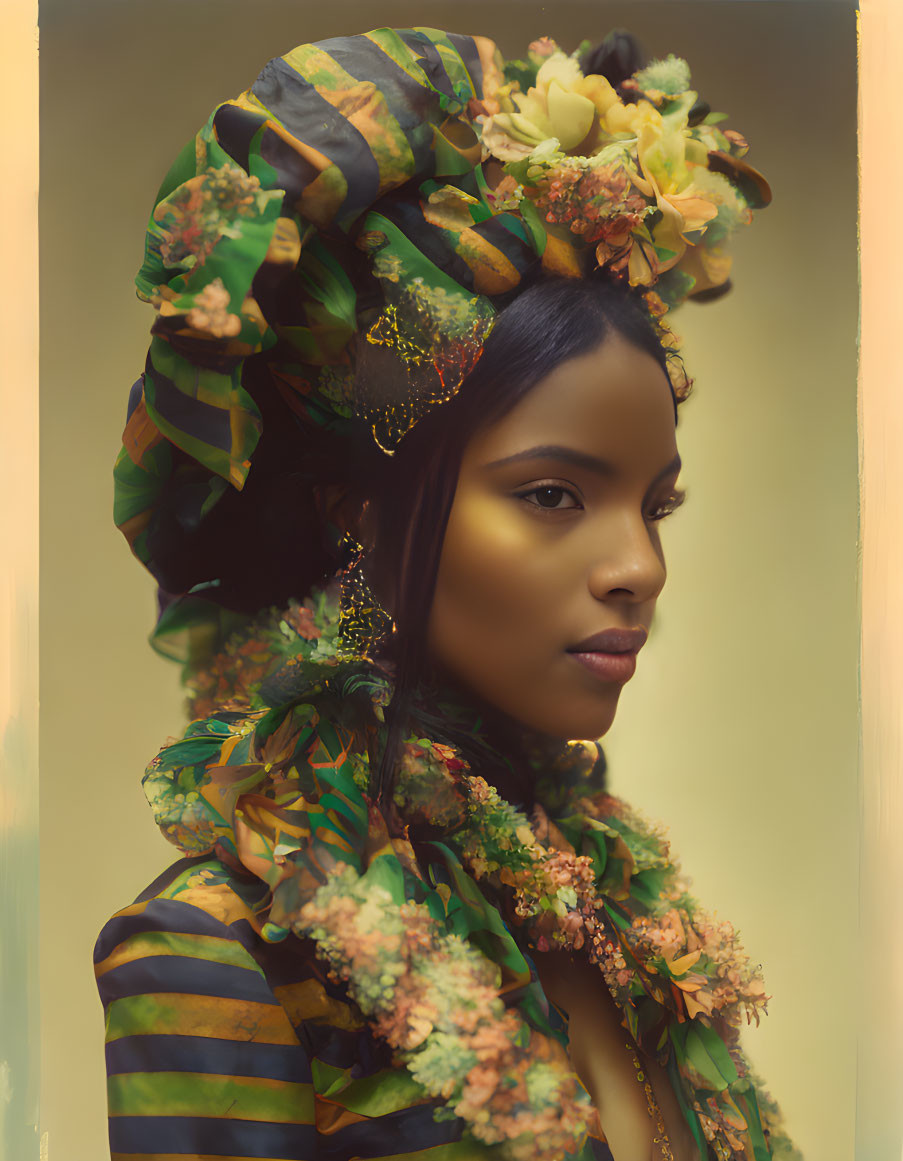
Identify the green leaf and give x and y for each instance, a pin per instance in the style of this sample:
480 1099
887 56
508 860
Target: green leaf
708 1054
535 225
524 72
387 872
617 918
192 752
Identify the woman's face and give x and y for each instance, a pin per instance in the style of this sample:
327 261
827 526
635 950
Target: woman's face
553 538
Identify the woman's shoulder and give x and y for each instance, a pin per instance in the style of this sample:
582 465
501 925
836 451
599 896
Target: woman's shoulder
197 908
194 893
188 953
202 1054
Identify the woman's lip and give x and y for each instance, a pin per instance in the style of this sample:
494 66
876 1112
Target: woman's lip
619 667
612 641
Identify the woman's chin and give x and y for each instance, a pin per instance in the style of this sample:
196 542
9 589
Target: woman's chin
553 709
586 729
573 721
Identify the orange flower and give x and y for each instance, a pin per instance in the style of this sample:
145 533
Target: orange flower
301 619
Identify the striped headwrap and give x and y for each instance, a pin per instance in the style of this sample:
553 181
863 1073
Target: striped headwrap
357 218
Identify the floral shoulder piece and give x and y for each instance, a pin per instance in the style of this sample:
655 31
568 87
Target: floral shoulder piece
436 954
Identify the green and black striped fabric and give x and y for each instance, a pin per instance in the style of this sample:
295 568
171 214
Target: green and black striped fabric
220 1045
257 213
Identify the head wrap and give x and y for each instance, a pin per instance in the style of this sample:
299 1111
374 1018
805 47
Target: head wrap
355 221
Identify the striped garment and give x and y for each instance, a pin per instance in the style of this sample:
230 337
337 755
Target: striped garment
222 1046
324 134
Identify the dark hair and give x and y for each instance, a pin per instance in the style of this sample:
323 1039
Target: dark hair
410 494
556 319
196 542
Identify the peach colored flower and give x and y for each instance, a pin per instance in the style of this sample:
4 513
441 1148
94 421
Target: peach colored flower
210 311
301 619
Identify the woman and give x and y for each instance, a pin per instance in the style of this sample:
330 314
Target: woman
417 324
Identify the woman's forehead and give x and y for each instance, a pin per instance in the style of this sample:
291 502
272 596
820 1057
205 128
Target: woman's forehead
611 403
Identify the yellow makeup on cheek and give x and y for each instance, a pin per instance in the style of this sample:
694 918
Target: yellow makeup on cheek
486 538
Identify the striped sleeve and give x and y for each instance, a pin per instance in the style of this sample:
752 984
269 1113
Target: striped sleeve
203 1063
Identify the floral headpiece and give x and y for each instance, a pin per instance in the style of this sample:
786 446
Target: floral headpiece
644 177
358 217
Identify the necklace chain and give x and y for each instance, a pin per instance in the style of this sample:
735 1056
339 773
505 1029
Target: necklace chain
652 1105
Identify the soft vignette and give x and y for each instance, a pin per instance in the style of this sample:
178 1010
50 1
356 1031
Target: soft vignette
879 1113
880 1080
95 814
19 1007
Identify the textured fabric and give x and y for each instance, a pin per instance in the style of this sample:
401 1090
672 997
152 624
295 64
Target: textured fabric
234 270
222 1045
271 789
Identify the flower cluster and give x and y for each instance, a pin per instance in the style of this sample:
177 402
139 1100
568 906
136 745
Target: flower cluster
669 953
615 971
593 878
637 173
723 981
426 789
199 212
556 893
595 202
211 311
498 837
435 1000
227 682
302 637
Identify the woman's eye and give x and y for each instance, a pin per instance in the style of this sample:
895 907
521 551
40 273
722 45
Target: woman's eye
668 505
551 497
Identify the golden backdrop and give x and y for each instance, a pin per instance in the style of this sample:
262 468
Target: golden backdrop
740 729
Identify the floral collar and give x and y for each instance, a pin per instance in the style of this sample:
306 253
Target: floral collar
430 922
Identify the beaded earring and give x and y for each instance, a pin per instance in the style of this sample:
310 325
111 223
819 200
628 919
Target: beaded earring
363 622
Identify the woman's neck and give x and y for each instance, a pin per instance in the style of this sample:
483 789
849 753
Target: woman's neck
498 746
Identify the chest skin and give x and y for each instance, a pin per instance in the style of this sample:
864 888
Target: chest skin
600 1056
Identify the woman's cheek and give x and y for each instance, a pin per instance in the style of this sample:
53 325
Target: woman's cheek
480 588
492 561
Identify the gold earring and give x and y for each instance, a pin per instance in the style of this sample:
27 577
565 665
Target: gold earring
363 622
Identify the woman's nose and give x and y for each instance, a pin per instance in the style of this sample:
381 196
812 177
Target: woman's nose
628 561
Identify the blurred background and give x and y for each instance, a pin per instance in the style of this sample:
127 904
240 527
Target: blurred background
740 729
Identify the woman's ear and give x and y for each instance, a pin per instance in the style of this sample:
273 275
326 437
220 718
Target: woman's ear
336 505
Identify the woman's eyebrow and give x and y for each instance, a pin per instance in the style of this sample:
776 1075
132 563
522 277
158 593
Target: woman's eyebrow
572 456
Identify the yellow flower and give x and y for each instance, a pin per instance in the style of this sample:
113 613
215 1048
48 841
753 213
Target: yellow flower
563 105
710 266
683 213
630 119
661 152
664 177
525 835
